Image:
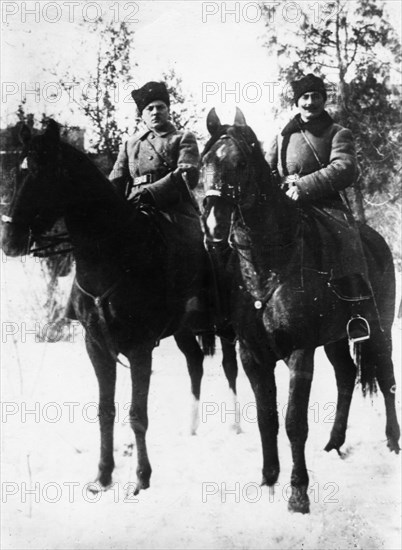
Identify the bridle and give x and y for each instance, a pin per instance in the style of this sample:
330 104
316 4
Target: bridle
232 192
50 241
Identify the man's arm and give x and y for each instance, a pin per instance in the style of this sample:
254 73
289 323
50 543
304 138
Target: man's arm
340 172
168 190
120 174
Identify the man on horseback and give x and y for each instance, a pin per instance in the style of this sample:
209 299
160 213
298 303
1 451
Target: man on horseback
158 168
314 158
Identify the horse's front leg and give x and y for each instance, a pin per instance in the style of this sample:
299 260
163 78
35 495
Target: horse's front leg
261 373
140 358
301 366
188 345
230 368
105 370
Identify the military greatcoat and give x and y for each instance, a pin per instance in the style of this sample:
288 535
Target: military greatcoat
147 161
322 154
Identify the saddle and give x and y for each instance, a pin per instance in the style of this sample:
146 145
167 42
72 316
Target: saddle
339 252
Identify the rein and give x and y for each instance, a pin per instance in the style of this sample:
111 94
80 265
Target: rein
44 251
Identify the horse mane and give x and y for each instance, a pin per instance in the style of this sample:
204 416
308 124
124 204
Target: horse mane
87 165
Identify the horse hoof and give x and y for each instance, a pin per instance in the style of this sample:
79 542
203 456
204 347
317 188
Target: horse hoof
236 428
141 486
334 443
342 455
270 478
393 446
299 505
103 480
96 487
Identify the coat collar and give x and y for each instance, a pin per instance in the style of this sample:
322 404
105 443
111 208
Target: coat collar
315 126
168 129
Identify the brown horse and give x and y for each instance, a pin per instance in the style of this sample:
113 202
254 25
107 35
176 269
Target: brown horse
120 290
282 306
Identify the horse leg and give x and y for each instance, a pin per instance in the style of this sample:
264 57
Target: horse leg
301 367
188 345
261 373
105 370
345 373
230 368
378 351
141 365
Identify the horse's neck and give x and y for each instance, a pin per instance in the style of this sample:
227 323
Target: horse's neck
272 231
98 221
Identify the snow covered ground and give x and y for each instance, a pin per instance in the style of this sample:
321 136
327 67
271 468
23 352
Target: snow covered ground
204 489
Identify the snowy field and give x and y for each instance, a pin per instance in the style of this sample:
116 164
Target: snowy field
204 489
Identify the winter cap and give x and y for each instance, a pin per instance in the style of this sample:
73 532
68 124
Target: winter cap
151 91
309 83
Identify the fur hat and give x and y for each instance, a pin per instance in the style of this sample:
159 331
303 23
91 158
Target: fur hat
151 91
309 83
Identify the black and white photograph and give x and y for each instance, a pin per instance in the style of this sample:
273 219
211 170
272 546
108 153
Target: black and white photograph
201 256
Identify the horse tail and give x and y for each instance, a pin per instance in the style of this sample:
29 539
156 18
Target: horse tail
366 368
207 343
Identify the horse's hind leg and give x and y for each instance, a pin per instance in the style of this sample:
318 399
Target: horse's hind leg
230 368
188 345
378 351
140 358
345 373
105 370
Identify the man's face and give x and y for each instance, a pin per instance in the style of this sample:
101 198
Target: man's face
310 105
155 115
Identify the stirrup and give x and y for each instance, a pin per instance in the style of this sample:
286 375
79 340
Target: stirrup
358 329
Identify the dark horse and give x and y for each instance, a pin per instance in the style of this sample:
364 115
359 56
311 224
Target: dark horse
120 290
281 304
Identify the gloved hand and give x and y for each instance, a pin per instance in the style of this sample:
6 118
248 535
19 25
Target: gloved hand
292 191
189 174
142 198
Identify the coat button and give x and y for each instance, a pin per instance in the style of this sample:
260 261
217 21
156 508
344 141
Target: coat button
150 157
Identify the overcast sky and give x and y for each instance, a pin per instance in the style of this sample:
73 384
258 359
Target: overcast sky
215 52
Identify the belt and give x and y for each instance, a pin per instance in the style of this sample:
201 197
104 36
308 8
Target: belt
141 180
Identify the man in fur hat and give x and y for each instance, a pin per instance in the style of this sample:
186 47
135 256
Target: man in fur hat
160 162
315 159
158 167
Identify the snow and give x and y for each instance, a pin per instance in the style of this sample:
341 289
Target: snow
205 489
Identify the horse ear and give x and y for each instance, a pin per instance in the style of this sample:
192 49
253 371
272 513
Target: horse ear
25 134
52 131
240 119
213 122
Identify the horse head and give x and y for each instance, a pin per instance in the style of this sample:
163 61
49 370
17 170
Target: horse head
233 172
35 206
